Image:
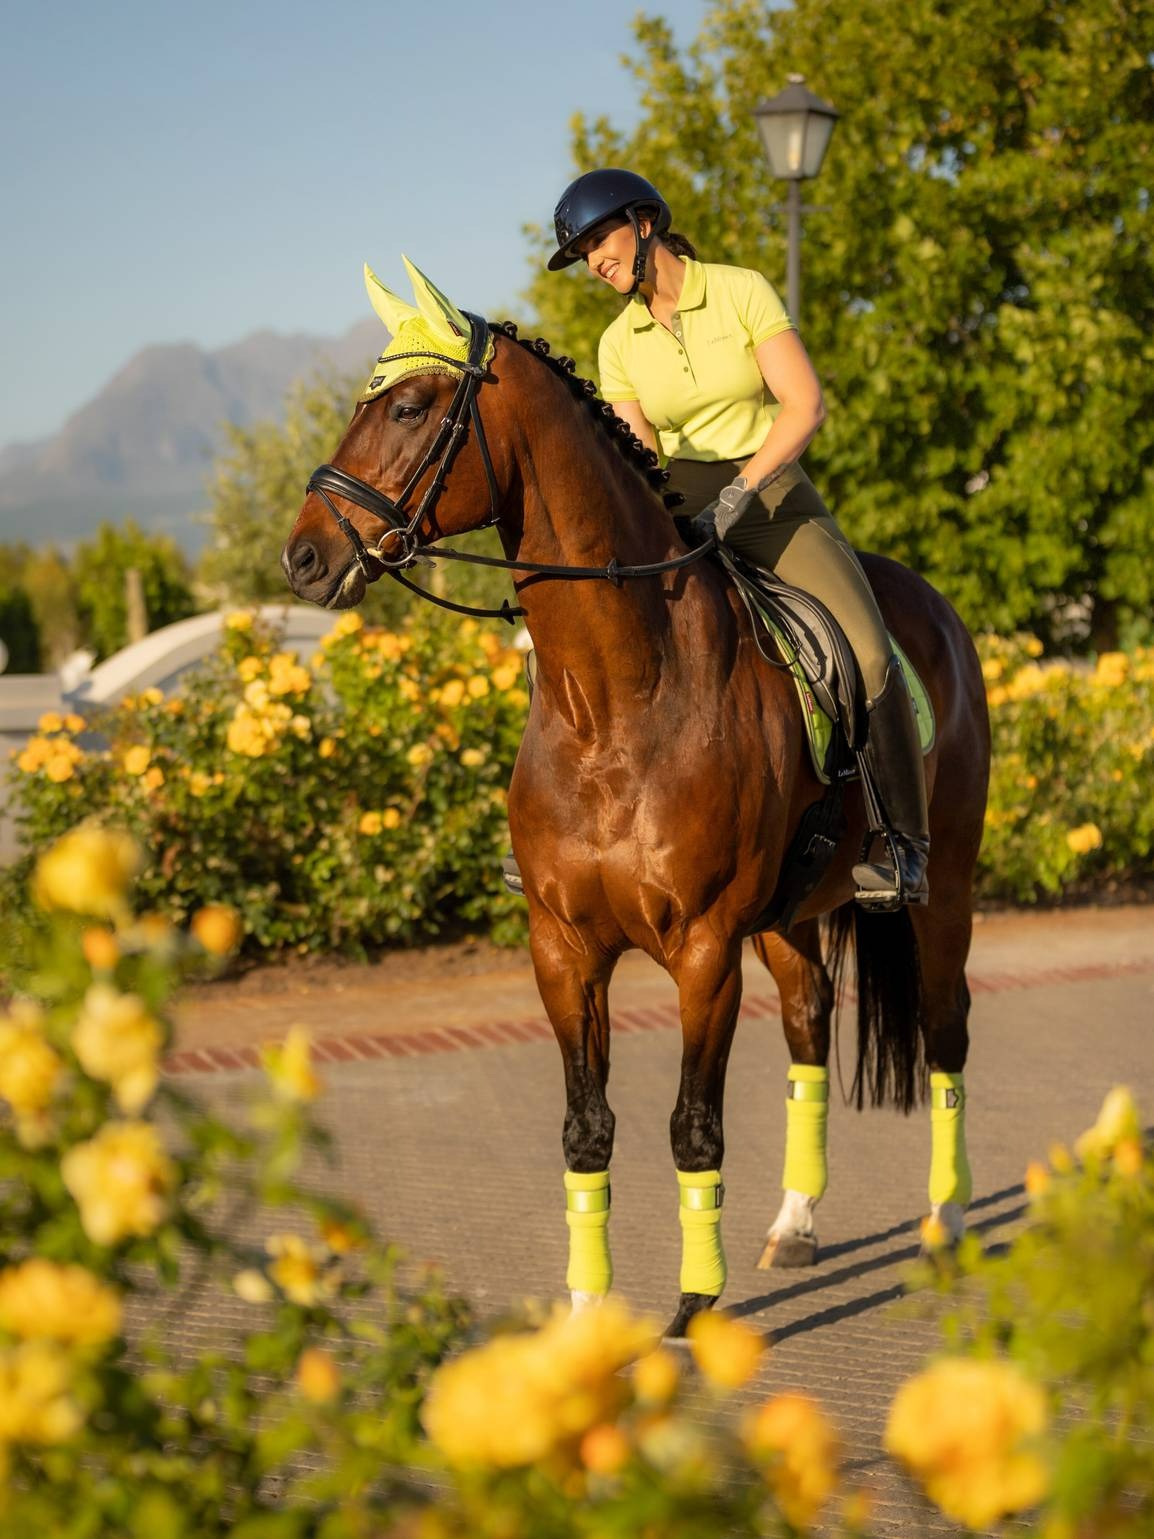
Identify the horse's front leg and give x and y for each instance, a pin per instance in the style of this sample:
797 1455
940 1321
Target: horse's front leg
708 978
573 979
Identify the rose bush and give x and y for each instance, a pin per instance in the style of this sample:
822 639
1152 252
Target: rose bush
357 797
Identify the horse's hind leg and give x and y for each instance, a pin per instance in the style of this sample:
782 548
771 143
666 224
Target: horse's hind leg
795 961
573 980
708 978
943 931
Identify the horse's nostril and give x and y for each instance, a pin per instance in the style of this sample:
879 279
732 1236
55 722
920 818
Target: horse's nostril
304 559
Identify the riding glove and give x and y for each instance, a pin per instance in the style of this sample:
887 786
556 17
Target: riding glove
719 517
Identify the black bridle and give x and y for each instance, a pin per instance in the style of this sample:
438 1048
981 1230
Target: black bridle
402 526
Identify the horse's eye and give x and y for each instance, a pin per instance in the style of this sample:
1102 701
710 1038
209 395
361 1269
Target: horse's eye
408 413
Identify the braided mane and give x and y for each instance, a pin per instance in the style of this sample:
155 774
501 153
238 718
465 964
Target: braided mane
624 440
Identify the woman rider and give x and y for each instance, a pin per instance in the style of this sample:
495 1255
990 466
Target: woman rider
709 371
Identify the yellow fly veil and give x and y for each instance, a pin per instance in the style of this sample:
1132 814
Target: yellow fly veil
434 325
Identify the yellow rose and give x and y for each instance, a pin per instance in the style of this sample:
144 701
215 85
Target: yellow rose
965 1430
101 949
1129 1157
1037 1179
257 695
238 620
199 782
605 1449
249 668
66 1303
1111 670
87 871
656 1377
299 1270
137 759
29 1066
1117 1120
1084 838
390 818
419 755
286 676
317 1376
1034 647
289 1066
452 693
35 1404
993 669
59 768
408 689
478 686
341 1237
153 778
117 1040
50 722
253 1287
800 1449
121 1180
506 676
472 758
348 625
326 747
726 1350
518 1399
37 752
152 696
74 723
218 928
370 823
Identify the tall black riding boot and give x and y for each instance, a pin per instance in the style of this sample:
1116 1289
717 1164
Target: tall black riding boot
894 783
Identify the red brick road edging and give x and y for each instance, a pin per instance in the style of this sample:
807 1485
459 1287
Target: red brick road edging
454 1039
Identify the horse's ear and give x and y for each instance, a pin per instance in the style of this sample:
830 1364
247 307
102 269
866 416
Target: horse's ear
393 311
440 311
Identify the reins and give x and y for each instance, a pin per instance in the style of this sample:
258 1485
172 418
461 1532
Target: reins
463 410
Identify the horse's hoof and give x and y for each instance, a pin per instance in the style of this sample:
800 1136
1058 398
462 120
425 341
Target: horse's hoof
788 1250
691 1304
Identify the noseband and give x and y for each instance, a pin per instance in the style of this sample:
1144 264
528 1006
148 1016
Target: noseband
401 526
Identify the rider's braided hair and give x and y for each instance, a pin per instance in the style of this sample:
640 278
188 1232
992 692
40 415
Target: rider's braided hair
643 460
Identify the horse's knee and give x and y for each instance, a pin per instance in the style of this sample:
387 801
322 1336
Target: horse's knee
695 1134
587 1138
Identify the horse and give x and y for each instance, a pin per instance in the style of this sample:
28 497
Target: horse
663 772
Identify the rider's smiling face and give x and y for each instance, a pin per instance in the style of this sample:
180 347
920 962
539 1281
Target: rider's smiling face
609 249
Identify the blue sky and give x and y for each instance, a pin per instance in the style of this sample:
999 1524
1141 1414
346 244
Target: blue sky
195 172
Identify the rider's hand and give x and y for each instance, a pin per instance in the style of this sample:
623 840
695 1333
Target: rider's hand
730 504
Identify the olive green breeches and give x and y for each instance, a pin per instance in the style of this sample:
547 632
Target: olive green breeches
789 531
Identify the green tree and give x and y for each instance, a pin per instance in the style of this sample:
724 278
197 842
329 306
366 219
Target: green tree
100 567
978 291
48 581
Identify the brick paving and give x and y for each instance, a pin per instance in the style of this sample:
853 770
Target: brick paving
452 1141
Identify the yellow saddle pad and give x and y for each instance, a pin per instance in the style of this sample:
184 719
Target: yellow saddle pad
820 727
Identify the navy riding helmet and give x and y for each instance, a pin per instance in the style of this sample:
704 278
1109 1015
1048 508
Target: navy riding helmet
598 195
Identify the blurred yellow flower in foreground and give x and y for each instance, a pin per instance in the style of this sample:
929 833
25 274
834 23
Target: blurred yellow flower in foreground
478 687
299 1270
1117 1120
472 758
317 1377
726 1351
452 693
506 676
35 1404
605 1449
66 1303
87 872
519 1398
801 1450
1084 838
137 759
289 1066
117 1039
29 1066
238 620
122 1180
1038 1179
1111 670
964 1429
218 928
370 823
341 1237
51 721
286 676
656 1377
326 747
419 755
253 1286
101 948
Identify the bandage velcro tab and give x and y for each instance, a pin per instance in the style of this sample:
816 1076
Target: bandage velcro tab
588 1202
703 1198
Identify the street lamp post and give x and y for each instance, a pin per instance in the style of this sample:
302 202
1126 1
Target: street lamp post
795 127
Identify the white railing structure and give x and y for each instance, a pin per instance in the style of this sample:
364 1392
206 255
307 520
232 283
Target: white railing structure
157 662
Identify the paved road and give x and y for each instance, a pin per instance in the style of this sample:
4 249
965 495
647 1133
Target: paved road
452 1140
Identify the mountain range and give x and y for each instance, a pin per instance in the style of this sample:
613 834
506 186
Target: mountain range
142 446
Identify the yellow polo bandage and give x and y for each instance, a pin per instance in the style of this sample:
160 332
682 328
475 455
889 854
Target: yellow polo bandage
806 1122
587 1214
950 1179
702 1258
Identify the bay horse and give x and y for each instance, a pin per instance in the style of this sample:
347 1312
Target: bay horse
663 771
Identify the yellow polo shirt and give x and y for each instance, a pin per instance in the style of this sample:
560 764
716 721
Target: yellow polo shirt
699 384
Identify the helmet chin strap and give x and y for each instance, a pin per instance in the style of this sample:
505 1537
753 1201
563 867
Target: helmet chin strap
643 242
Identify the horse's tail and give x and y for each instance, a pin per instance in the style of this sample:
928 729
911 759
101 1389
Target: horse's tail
890 1057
